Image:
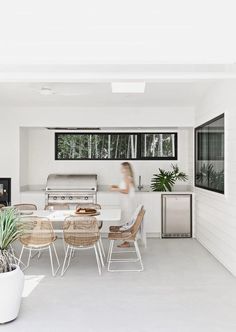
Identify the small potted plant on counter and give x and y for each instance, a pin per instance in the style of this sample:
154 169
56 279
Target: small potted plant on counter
11 277
165 180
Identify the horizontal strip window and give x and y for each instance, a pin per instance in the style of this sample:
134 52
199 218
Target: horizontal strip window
209 155
116 146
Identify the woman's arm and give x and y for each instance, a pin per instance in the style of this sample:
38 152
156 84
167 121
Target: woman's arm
122 191
127 183
114 188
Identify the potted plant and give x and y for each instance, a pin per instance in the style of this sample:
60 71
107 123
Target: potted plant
165 180
11 277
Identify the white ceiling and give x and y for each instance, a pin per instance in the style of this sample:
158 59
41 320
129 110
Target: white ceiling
121 31
185 93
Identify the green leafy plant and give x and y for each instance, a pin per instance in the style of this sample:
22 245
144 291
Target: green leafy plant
165 180
10 229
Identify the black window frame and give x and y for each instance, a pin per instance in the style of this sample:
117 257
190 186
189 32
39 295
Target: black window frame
138 158
221 116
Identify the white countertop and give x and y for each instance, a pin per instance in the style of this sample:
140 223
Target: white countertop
178 189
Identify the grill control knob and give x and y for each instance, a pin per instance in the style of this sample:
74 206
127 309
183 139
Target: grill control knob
86 198
70 198
63 197
54 197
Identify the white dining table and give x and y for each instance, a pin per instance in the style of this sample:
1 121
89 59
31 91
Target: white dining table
105 215
111 215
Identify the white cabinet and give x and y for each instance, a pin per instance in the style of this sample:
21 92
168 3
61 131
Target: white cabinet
152 204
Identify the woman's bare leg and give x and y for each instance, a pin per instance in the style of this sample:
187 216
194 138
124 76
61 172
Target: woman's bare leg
125 244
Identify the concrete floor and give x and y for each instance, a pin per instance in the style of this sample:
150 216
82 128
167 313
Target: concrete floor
183 288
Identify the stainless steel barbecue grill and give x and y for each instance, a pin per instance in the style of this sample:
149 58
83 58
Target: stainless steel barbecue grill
71 189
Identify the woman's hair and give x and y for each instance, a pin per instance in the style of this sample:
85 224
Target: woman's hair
127 166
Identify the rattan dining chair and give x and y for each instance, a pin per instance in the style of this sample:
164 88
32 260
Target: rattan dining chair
100 222
116 234
38 236
81 233
57 207
25 207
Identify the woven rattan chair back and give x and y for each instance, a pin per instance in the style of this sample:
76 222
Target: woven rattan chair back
57 207
38 232
88 205
24 207
136 226
81 231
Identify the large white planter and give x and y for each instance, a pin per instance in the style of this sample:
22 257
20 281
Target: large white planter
11 287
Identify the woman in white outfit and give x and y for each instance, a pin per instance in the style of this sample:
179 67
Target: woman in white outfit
127 190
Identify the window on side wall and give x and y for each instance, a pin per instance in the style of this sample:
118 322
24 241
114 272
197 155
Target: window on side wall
209 155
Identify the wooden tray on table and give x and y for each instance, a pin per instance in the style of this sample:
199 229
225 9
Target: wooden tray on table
86 212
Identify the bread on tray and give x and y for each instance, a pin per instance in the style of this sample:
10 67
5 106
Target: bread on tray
85 211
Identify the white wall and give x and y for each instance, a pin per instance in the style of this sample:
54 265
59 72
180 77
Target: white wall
24 157
13 119
216 213
40 150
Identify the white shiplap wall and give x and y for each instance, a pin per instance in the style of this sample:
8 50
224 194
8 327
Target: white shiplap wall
215 213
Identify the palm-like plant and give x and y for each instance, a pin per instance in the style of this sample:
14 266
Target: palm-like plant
179 176
165 180
10 229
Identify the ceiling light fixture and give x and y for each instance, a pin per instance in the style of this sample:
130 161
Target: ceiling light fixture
128 87
46 91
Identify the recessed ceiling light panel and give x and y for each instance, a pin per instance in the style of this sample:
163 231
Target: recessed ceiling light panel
46 91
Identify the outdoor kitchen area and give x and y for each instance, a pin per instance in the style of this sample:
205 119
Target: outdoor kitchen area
60 180
118 166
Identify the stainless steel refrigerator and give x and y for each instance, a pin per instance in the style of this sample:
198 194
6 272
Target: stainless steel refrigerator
176 215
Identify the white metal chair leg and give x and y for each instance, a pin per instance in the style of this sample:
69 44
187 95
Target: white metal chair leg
67 255
102 247
21 254
109 250
137 260
36 254
51 259
50 254
70 256
13 254
138 254
100 253
55 252
98 261
28 261
110 254
64 263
